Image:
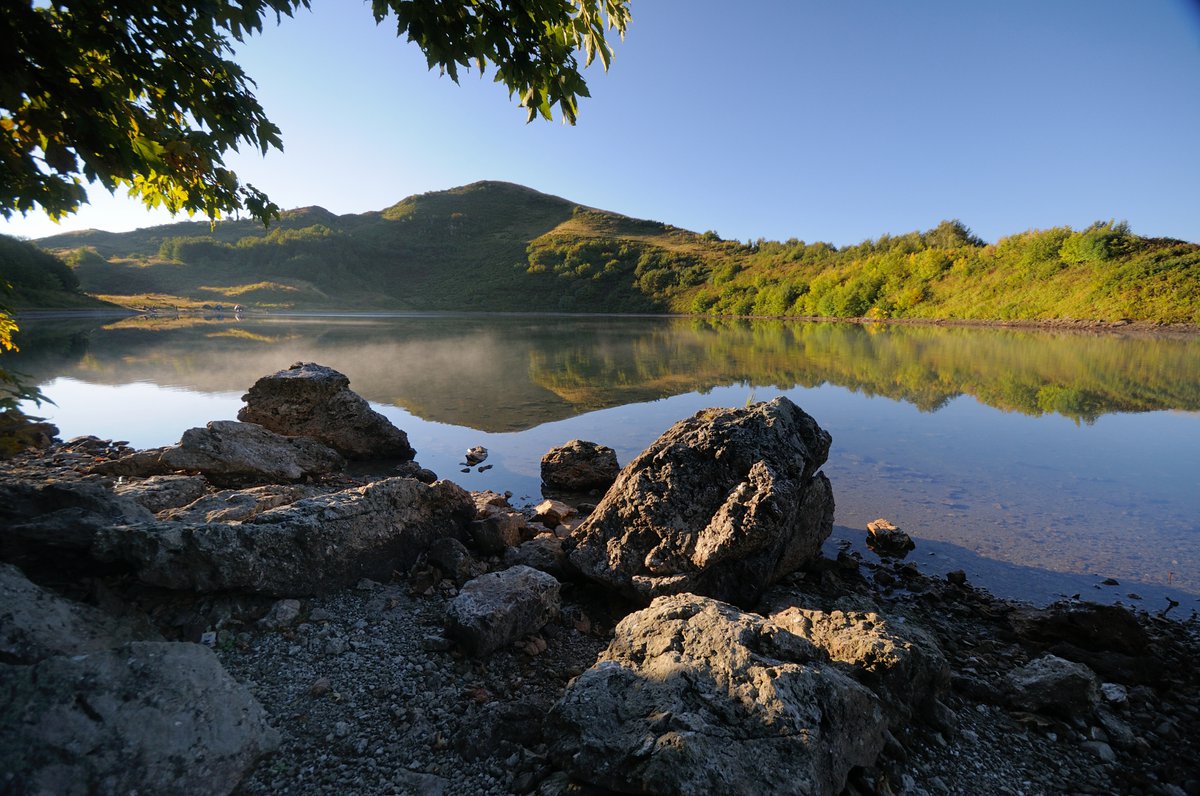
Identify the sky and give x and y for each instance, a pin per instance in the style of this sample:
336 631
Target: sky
834 121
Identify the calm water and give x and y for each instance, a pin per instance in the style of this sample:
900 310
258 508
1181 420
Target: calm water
1040 462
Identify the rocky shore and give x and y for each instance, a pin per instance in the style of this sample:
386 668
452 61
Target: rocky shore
237 614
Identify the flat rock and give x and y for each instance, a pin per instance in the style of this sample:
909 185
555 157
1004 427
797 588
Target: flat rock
694 696
161 492
722 504
309 547
316 401
229 505
579 466
496 609
146 717
229 453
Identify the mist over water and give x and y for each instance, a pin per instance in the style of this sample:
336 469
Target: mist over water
1041 462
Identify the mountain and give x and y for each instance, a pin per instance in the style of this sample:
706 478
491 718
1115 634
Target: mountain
503 247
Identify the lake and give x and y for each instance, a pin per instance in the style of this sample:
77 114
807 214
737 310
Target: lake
1041 462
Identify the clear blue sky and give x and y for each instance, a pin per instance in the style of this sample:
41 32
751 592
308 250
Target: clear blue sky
829 121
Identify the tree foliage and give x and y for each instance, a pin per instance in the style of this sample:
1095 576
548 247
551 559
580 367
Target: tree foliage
144 96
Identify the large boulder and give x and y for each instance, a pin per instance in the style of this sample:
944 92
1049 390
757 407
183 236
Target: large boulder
146 717
695 697
53 524
496 609
1050 684
312 546
900 662
229 453
316 401
36 624
579 466
722 504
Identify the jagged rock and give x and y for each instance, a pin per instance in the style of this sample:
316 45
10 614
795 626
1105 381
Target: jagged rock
476 455
139 464
241 504
498 608
453 559
309 547
316 401
1051 684
888 541
146 717
498 531
902 664
36 624
54 523
229 453
543 552
696 697
723 504
161 492
580 465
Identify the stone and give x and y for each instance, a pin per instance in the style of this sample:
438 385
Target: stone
694 696
497 531
36 624
411 469
552 512
55 523
888 541
316 401
161 492
579 466
229 453
229 505
313 546
1089 626
543 553
901 663
1101 750
139 464
496 609
281 614
454 560
723 504
146 717
1050 684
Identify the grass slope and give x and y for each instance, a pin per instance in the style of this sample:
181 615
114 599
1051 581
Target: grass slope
499 246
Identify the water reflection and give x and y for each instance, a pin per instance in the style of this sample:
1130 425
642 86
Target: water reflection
1039 452
507 373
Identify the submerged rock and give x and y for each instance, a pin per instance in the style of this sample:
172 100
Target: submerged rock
309 547
579 466
722 504
696 697
316 401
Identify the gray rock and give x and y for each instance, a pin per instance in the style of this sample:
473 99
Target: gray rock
579 466
50 522
282 614
722 504
316 401
141 464
161 492
229 453
901 663
498 608
544 553
309 547
497 531
1054 685
695 697
1101 750
229 505
147 717
36 624
454 560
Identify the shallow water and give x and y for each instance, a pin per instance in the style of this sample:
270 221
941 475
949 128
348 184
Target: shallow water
1040 462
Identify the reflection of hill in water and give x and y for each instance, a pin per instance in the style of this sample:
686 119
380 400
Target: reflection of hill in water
505 373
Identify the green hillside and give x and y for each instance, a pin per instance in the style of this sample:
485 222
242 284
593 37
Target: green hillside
498 246
31 277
